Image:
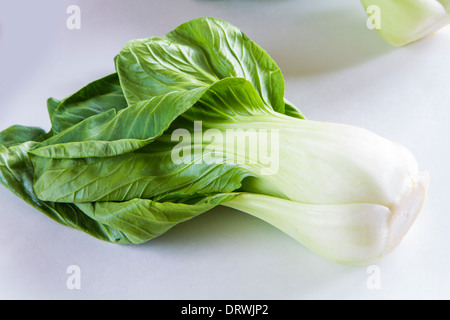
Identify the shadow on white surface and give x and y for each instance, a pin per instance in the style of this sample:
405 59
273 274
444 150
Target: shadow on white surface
222 254
327 41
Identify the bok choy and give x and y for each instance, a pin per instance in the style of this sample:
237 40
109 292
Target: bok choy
196 119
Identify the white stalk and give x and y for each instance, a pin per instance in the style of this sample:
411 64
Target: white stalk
342 191
351 234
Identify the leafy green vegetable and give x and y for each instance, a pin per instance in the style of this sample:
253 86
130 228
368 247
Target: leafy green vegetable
197 119
402 22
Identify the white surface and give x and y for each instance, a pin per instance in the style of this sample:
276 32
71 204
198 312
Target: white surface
335 69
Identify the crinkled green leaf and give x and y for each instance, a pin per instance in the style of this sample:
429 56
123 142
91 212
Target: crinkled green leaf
95 98
113 133
16 174
197 54
141 220
135 221
149 173
17 134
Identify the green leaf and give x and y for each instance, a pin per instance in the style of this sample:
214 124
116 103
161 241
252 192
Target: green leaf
149 173
291 111
16 174
52 105
95 98
141 220
17 134
197 54
110 133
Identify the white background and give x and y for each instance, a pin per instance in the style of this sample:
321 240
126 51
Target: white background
335 70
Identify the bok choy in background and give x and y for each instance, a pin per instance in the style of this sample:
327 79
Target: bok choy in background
141 150
401 22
